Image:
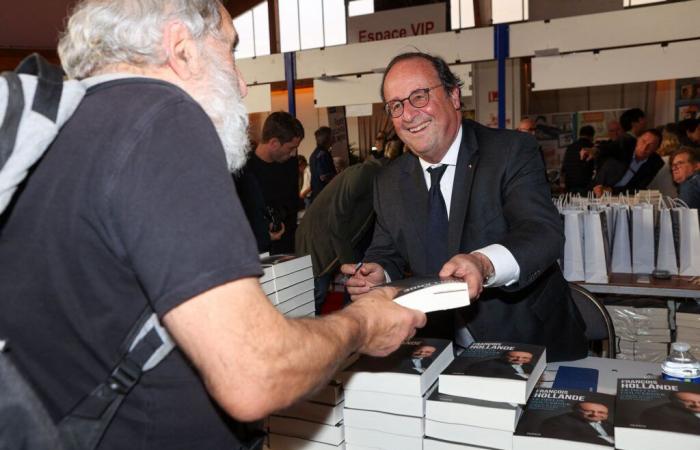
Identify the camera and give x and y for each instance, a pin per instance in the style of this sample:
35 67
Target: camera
275 218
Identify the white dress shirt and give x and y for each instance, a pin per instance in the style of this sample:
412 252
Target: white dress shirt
506 268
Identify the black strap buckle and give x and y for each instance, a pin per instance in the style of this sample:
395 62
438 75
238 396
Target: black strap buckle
124 376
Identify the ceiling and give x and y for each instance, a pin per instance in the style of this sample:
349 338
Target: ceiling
35 24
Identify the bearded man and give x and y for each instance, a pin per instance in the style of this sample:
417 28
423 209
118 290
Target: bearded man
130 208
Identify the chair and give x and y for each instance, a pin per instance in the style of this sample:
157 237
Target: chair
599 325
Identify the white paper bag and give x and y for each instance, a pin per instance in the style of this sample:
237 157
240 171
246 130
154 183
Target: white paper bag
643 238
666 249
573 246
689 231
621 244
594 251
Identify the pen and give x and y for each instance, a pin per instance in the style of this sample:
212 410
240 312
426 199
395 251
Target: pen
357 267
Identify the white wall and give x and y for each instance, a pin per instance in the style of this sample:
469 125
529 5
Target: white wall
485 79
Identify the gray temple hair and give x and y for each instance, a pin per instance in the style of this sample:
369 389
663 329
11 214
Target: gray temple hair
101 33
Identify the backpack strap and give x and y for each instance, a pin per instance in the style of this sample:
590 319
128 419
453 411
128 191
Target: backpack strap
13 115
49 84
148 344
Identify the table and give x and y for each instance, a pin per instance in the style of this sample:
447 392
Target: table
609 370
629 284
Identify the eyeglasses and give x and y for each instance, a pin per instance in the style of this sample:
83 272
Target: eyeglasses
418 99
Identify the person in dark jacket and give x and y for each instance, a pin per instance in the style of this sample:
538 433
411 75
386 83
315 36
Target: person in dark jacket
577 169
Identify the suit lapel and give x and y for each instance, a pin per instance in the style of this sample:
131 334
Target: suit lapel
461 188
414 196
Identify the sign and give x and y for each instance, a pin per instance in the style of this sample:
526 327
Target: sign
493 96
339 131
397 23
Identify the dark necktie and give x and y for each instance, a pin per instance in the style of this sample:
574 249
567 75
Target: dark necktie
436 249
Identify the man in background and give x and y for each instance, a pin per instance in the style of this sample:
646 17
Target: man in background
268 184
131 209
685 169
527 126
577 168
321 162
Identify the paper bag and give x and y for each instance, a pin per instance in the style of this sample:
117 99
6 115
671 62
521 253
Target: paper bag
689 231
573 246
621 244
643 238
594 251
666 250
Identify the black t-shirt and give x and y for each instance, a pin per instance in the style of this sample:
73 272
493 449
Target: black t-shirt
131 206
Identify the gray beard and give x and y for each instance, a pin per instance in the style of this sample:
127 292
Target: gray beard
221 100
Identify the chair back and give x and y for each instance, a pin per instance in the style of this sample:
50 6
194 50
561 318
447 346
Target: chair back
599 325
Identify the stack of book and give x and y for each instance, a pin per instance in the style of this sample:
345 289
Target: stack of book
688 325
385 397
288 282
566 419
643 328
314 424
655 414
479 394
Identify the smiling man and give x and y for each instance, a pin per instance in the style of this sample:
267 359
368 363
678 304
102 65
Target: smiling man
473 203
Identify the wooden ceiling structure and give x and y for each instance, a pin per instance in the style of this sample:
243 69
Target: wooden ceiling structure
34 25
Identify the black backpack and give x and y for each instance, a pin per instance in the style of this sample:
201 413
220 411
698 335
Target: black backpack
24 422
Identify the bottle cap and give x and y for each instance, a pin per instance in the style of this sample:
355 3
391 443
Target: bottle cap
680 346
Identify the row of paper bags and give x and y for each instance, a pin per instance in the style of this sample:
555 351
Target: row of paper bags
629 239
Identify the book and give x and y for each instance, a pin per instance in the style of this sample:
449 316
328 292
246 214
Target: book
469 411
285 264
304 429
280 442
293 278
407 405
305 310
384 422
580 378
331 394
653 414
410 370
495 371
315 412
295 290
566 419
438 444
381 440
428 294
467 434
295 302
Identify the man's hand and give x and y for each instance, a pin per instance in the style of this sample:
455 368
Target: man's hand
472 268
599 190
385 325
276 235
362 279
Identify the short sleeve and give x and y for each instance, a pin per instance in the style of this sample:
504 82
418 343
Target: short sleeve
174 212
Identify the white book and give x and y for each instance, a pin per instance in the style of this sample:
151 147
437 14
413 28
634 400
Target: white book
331 394
293 284
304 429
279 442
268 288
285 264
296 302
315 412
268 275
305 310
688 323
467 434
469 411
410 370
495 371
381 440
438 444
385 422
407 405
428 294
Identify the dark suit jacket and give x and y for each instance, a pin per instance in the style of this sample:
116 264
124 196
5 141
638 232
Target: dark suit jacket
501 196
669 417
570 426
613 171
338 219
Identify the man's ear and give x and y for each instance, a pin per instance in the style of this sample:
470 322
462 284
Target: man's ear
183 56
274 143
456 100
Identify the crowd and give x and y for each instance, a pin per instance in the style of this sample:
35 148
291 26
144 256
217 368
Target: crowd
635 157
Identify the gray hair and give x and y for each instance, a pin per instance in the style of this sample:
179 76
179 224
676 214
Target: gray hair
101 33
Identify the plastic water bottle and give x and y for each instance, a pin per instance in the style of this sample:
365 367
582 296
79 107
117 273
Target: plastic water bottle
681 365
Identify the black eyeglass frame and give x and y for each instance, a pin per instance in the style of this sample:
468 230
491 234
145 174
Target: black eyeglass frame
425 91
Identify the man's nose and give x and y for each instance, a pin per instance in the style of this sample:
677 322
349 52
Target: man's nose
242 86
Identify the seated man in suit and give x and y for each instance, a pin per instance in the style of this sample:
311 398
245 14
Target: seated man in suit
514 364
424 351
473 203
681 414
587 422
617 177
